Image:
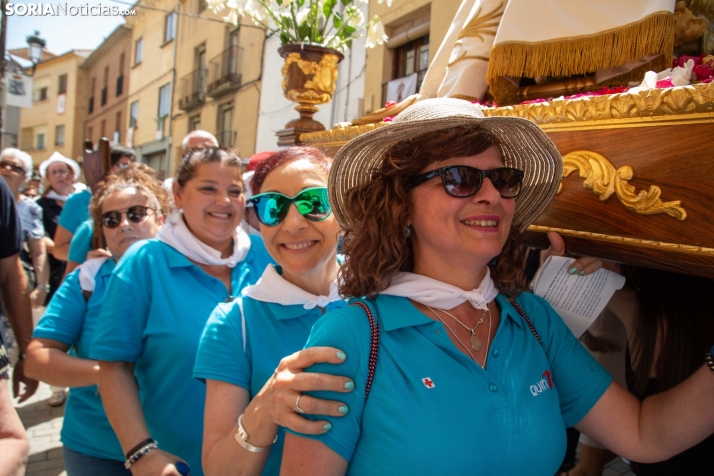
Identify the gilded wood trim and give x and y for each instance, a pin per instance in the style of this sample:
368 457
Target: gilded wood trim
624 240
604 179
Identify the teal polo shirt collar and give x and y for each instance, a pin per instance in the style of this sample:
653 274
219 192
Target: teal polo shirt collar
394 315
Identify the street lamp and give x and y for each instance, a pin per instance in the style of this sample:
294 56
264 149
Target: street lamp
36 44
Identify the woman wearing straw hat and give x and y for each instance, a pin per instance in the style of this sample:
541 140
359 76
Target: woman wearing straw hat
471 376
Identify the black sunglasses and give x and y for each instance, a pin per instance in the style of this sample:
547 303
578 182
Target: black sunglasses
462 181
14 167
135 214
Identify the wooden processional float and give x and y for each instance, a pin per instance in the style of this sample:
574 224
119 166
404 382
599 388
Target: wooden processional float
638 181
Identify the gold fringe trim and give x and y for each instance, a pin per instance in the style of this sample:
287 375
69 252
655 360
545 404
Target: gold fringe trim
584 54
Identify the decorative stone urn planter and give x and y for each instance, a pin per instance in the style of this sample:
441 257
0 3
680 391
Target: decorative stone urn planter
309 78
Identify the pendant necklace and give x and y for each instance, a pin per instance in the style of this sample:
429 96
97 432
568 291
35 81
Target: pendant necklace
475 341
472 336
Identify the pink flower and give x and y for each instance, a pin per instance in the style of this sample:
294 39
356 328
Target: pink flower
388 119
703 71
390 104
665 83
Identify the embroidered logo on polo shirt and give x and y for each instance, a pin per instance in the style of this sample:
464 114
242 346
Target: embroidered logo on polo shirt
545 383
428 383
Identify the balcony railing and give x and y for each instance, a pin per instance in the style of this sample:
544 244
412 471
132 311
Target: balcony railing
224 74
193 89
227 138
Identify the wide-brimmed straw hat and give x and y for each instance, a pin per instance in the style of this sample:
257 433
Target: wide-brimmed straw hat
523 146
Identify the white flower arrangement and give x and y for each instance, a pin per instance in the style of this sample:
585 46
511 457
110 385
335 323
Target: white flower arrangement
330 23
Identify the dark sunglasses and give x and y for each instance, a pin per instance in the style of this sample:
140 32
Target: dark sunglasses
135 214
463 181
13 167
271 207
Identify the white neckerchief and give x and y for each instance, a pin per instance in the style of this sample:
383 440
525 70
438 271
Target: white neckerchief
88 271
176 234
271 287
56 196
430 292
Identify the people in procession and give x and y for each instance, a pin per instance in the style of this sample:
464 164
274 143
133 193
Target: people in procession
157 303
468 369
16 168
14 447
14 295
128 207
60 173
245 340
76 211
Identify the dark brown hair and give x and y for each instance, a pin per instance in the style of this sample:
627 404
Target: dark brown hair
375 245
285 156
139 176
196 156
679 311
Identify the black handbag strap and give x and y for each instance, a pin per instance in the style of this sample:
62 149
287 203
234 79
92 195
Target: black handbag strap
528 321
373 346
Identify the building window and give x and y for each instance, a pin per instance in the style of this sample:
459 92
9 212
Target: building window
164 99
134 114
89 133
59 135
226 135
102 128
194 123
40 142
170 27
120 78
411 58
138 51
106 86
117 128
91 104
41 94
62 86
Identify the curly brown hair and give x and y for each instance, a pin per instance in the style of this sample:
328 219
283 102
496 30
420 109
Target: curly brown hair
375 245
139 176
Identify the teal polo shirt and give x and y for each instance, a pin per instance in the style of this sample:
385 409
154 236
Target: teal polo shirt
433 410
272 331
75 211
156 306
81 242
72 319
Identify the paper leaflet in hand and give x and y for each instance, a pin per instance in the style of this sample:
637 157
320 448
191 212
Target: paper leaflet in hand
577 299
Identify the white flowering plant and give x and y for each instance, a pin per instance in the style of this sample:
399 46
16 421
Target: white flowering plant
330 23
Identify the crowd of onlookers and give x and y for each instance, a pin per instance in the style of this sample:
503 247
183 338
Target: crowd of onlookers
299 314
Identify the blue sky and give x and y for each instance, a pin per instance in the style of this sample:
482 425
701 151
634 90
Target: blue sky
64 33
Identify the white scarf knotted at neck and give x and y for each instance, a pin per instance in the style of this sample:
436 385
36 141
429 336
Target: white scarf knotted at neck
176 234
271 287
434 293
56 196
87 272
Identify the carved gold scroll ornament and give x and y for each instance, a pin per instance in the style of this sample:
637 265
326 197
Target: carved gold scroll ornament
604 179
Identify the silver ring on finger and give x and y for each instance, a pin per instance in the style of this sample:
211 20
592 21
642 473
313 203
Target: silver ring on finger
297 408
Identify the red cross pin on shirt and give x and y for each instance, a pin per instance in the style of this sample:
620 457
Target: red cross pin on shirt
428 383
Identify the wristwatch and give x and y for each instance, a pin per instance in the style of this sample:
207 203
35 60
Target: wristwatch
44 287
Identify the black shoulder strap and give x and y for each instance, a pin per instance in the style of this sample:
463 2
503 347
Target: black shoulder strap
374 345
528 321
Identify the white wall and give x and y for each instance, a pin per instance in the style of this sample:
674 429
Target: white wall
276 111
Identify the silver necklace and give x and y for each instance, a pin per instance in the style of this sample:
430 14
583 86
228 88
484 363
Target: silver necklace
475 341
459 340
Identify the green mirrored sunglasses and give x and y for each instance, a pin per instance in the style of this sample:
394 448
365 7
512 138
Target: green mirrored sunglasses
271 208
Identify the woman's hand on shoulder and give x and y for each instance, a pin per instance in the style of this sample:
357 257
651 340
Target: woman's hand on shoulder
156 463
280 393
582 266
